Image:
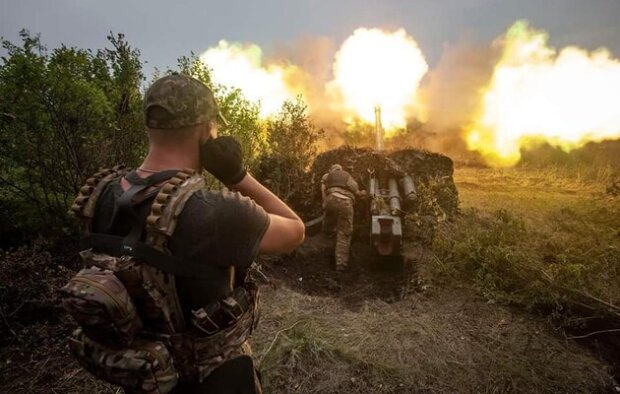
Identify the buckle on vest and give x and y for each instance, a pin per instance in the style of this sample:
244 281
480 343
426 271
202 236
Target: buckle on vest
205 323
231 307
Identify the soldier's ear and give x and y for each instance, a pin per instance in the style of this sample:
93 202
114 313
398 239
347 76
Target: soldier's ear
207 131
213 130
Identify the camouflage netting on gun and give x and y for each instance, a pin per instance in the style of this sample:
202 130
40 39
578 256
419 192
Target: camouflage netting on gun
437 196
431 172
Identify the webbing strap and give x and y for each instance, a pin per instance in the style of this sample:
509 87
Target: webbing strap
125 202
146 254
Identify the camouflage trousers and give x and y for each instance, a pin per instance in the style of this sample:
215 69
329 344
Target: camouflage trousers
339 217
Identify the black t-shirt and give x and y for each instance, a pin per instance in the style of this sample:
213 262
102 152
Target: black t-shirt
220 229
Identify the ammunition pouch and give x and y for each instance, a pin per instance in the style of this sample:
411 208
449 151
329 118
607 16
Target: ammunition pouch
99 302
212 341
212 351
222 314
145 366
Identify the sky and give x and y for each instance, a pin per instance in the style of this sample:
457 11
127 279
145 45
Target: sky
165 30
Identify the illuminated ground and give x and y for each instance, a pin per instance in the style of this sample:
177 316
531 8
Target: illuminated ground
388 331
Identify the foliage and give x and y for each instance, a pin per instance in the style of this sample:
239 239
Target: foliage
292 142
64 114
593 162
422 221
485 248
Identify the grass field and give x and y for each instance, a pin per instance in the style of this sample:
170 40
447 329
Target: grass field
539 229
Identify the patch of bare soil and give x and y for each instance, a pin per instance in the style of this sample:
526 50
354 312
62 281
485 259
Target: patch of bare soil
34 328
310 270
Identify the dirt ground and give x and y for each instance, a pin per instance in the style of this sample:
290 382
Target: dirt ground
384 326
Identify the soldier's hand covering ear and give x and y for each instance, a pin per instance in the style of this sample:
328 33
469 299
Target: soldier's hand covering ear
222 157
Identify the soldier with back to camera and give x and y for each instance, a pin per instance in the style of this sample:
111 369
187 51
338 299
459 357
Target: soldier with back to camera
339 189
167 300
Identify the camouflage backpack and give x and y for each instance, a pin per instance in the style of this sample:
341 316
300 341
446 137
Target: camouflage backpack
132 331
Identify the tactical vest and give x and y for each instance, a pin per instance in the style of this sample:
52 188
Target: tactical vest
338 180
132 331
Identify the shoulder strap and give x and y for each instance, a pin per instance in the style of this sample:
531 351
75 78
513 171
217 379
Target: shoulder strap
168 205
126 204
85 203
160 225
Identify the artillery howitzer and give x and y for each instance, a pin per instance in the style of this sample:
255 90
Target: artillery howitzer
402 181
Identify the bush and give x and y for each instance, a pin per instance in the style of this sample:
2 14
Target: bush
65 113
292 146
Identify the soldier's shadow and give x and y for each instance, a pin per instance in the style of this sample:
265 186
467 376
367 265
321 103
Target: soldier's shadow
311 270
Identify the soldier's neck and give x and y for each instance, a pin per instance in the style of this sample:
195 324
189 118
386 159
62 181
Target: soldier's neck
163 159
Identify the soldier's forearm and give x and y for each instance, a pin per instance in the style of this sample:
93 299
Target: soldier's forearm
271 203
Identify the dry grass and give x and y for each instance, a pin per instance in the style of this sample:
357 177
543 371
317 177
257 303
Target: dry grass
443 341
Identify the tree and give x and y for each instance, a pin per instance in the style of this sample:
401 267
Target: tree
64 115
292 141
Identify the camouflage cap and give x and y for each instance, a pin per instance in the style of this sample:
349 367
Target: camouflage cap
177 101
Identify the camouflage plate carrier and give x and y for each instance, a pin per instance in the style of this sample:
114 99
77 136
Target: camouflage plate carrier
132 331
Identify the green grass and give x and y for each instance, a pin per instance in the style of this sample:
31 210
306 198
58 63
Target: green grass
537 239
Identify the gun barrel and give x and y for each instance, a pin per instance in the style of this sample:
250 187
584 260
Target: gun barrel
395 206
378 129
373 187
409 188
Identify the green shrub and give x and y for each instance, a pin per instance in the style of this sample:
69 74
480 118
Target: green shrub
558 268
65 113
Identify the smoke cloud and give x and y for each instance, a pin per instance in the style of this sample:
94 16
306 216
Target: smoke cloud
451 93
446 104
